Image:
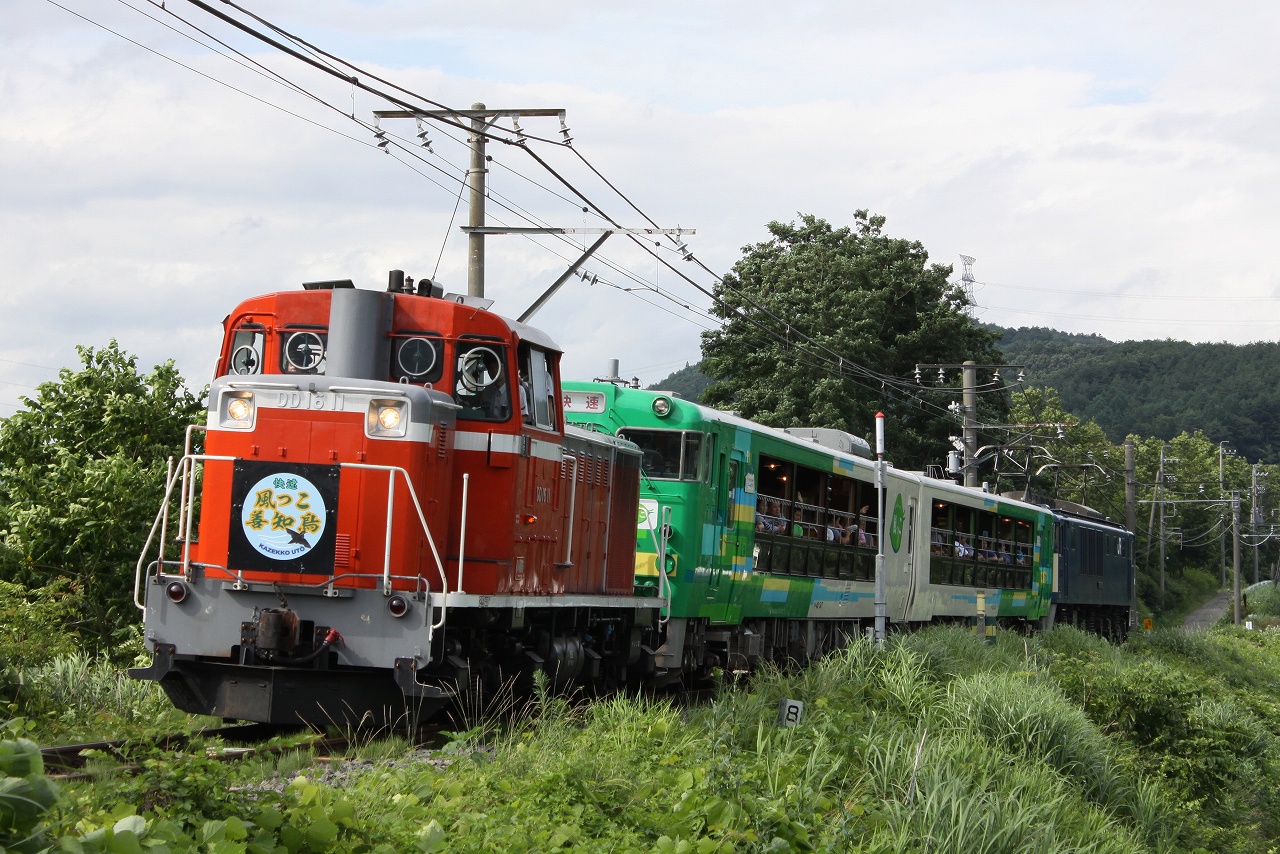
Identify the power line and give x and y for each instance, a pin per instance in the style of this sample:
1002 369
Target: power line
207 76
822 355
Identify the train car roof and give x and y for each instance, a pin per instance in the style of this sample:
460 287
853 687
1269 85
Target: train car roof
707 413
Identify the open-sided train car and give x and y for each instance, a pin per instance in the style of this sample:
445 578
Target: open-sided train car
764 540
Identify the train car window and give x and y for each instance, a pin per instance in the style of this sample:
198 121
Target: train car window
840 495
481 385
811 494
303 349
661 450
1022 539
417 357
774 477
246 349
693 465
668 454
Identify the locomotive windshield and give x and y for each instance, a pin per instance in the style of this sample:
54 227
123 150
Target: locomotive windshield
417 357
668 454
303 350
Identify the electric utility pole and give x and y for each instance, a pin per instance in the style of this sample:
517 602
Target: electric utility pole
1130 488
480 119
968 407
1223 453
969 403
1255 513
1235 552
475 213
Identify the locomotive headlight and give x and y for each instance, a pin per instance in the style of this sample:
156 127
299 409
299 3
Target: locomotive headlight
236 410
239 409
387 418
661 407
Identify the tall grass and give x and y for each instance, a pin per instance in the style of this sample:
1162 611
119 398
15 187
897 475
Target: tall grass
79 696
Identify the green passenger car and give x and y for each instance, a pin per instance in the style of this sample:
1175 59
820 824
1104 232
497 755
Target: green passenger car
763 542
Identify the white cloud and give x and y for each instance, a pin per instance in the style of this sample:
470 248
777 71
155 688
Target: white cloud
1078 151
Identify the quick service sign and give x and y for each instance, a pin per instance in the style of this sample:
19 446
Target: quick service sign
584 401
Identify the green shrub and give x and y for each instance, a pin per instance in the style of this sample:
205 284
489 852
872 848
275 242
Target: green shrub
37 624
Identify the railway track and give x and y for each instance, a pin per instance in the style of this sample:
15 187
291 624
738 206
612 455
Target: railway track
66 762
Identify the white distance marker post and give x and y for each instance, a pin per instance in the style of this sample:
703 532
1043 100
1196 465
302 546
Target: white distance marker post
880 530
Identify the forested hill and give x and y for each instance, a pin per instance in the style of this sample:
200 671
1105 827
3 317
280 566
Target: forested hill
1160 388
689 382
1151 388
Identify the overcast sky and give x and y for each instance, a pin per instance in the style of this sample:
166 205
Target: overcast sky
1112 166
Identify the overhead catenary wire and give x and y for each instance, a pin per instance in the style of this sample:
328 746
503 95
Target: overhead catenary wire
839 362
207 76
409 148
820 354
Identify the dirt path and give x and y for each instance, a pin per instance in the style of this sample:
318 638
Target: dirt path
1208 613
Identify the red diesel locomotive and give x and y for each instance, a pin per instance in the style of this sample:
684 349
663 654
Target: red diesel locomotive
388 509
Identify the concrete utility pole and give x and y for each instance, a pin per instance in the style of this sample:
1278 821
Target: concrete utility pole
1130 488
1160 480
475 218
1222 514
969 404
481 119
968 407
1235 551
1255 513
1131 522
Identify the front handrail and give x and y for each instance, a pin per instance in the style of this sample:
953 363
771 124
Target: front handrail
185 473
162 515
462 534
422 519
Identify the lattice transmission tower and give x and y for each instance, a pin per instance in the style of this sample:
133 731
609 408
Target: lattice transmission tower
966 278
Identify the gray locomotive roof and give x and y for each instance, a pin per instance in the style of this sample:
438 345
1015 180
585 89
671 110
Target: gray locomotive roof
532 334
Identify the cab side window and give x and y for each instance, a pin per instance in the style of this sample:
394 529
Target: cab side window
543 389
246 349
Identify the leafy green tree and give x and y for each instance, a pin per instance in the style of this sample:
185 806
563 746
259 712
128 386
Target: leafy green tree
1083 466
82 475
851 294
1079 464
